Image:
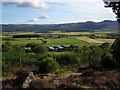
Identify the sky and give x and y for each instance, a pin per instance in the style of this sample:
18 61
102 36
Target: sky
54 11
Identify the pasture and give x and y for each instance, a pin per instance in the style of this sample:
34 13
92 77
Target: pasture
71 40
50 41
89 40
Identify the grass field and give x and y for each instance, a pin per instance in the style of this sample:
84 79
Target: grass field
106 40
58 41
51 41
89 40
81 33
23 41
63 41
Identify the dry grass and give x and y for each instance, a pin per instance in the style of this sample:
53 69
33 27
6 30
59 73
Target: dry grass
106 40
89 40
3 36
72 33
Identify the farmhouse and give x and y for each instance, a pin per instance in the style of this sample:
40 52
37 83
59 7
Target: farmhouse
50 48
59 47
56 48
64 46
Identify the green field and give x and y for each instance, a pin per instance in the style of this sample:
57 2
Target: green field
16 33
23 41
64 41
50 41
71 40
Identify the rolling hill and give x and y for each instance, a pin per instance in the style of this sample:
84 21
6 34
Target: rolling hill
106 25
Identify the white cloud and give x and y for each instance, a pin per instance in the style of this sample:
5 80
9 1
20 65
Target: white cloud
36 4
33 20
38 19
44 16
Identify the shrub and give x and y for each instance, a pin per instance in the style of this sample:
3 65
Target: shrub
95 56
108 61
48 65
9 59
91 55
8 43
105 46
72 47
116 50
84 53
31 44
39 49
67 58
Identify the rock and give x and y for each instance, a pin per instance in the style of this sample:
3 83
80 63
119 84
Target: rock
23 80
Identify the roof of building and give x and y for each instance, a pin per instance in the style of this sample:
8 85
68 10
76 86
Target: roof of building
49 47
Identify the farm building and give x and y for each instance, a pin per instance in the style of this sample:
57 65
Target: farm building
56 48
64 46
50 48
59 47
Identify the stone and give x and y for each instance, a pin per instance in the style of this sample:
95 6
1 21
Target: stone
23 80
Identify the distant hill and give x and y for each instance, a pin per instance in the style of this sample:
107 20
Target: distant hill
69 27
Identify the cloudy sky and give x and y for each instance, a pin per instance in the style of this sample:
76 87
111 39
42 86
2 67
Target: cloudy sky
54 11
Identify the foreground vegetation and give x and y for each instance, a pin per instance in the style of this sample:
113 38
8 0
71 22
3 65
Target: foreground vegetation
92 62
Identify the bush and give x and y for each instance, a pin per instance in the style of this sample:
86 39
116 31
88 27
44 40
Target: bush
48 65
9 59
105 46
116 50
91 55
95 56
67 58
39 49
84 53
108 61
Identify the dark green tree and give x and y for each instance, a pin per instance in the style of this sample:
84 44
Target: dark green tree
84 54
95 56
48 65
39 49
108 60
105 46
116 50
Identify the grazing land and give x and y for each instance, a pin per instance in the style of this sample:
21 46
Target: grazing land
89 40
106 40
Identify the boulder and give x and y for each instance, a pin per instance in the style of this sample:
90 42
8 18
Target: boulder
23 80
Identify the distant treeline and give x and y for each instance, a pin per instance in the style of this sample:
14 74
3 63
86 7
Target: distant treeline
25 36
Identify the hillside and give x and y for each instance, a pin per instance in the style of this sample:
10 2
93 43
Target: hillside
69 27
